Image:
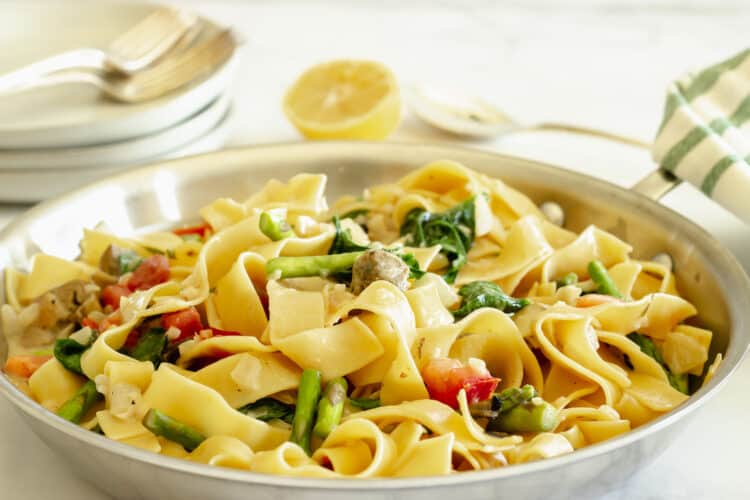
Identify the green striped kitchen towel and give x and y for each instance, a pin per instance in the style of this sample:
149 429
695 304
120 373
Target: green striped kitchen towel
704 137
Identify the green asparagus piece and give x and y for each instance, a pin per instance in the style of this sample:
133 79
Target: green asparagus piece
304 415
602 279
678 381
165 426
150 346
273 227
76 407
527 417
681 382
128 261
364 403
316 265
512 397
330 407
568 279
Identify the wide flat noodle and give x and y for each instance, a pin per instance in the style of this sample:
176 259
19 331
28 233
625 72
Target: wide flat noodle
203 409
485 334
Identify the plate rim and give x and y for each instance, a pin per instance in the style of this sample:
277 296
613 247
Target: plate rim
174 109
110 154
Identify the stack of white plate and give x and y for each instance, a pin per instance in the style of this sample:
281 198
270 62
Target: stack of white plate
58 138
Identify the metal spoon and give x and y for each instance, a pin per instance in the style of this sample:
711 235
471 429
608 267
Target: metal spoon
167 76
471 116
136 49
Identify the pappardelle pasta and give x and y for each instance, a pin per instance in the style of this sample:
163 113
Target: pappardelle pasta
430 326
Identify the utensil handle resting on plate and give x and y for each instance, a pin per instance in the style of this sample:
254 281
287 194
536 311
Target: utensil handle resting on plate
24 78
61 78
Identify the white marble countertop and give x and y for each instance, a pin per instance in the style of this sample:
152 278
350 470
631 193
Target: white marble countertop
599 63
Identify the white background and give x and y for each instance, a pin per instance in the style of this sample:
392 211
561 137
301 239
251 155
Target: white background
599 63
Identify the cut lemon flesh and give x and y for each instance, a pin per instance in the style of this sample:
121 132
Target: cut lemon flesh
345 100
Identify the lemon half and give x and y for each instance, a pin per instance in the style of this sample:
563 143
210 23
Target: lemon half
345 99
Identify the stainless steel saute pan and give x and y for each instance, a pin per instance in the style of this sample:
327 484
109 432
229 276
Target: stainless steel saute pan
154 196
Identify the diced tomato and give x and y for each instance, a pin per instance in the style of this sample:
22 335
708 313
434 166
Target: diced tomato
114 319
595 299
111 295
152 271
132 339
90 322
24 366
188 321
445 377
200 230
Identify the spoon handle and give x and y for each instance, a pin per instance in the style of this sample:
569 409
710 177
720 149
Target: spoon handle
26 76
593 132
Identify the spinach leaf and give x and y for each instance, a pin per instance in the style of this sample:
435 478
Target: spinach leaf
411 261
678 381
266 409
343 242
355 214
479 294
68 352
364 403
150 346
453 230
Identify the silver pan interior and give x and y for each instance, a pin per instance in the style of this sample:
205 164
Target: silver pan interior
170 192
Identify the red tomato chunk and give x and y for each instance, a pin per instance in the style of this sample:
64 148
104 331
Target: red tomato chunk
152 271
200 230
111 295
445 377
24 366
187 321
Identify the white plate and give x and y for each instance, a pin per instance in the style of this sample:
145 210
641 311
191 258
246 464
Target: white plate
117 153
76 114
20 186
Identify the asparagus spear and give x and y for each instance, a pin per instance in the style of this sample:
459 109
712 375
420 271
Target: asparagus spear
76 407
164 425
534 416
330 407
150 346
678 381
602 279
512 397
315 265
304 415
568 279
276 229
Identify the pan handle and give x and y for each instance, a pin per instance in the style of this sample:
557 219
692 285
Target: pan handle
656 184
659 182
